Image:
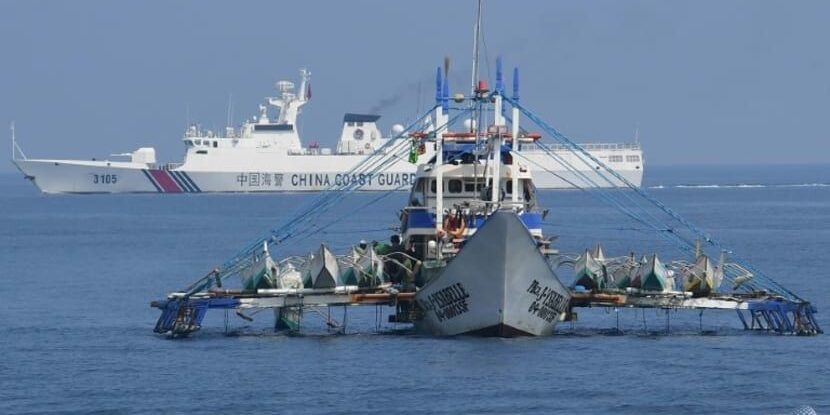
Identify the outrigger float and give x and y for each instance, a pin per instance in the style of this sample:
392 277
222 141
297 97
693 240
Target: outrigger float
473 258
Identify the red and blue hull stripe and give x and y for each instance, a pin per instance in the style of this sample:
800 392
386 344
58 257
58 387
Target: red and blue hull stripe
170 181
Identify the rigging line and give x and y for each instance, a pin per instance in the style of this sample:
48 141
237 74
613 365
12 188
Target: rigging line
694 229
608 198
574 148
600 195
563 225
610 194
403 149
580 157
583 176
595 195
357 185
234 265
321 229
329 193
611 200
349 231
574 185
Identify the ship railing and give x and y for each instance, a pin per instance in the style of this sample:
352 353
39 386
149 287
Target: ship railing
587 146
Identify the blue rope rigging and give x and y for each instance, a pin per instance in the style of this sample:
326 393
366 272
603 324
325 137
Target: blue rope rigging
383 157
763 281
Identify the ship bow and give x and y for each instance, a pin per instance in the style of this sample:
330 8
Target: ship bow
498 285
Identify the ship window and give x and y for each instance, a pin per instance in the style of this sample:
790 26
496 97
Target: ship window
432 186
470 187
360 123
198 142
215 144
201 152
615 159
188 143
508 187
454 186
350 124
632 159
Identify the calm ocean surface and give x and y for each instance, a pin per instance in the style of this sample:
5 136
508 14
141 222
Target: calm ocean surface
79 273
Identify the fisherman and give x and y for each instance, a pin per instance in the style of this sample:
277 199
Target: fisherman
397 256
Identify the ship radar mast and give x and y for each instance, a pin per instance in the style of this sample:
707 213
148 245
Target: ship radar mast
289 102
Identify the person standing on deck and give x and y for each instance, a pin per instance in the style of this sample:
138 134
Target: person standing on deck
361 247
397 256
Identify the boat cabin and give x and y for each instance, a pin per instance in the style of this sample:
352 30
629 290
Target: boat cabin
466 200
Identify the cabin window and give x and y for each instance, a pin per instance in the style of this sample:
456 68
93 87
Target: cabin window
615 159
350 123
360 123
201 152
454 186
198 142
632 159
215 144
432 186
470 187
188 143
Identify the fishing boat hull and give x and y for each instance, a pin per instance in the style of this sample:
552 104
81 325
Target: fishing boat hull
499 285
324 271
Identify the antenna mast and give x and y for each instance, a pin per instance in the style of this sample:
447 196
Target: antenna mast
474 114
476 41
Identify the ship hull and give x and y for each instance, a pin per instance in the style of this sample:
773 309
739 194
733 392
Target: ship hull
499 285
77 176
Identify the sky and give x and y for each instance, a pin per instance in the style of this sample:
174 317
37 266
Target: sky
708 82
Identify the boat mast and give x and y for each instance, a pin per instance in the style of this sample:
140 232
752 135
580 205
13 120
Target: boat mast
476 41
473 94
515 131
440 127
496 135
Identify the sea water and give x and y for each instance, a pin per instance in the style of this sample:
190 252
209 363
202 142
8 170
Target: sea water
79 272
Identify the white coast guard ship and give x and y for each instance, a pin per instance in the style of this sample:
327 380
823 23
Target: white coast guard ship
266 154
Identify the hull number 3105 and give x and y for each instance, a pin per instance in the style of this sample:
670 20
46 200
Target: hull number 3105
104 178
